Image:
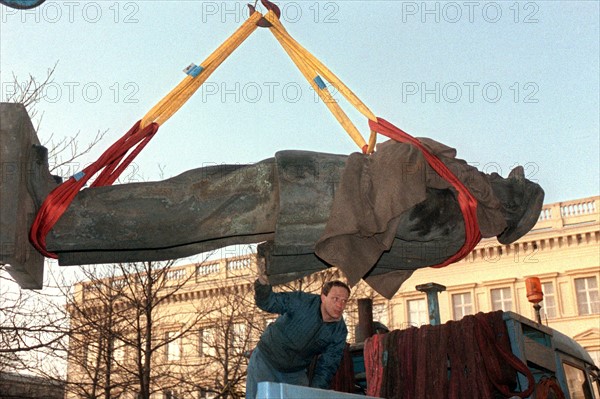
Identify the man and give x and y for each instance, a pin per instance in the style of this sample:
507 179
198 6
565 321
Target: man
308 325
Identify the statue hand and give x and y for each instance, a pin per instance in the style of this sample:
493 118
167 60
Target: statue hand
262 271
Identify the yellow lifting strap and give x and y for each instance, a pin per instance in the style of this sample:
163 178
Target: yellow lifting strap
173 101
311 68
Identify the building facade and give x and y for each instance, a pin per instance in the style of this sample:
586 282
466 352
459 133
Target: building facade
210 322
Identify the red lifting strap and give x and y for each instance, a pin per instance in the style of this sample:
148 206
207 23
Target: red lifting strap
468 204
111 165
545 386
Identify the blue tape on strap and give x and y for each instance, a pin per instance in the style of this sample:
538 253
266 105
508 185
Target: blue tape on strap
78 176
320 82
193 70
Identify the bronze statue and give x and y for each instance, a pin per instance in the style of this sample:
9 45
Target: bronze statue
370 215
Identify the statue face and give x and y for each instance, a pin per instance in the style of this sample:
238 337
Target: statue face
333 305
522 202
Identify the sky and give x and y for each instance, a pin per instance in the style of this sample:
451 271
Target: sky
505 83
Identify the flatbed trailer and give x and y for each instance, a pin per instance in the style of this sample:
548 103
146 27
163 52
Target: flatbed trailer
548 354
277 390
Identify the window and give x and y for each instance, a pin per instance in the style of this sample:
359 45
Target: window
417 312
141 279
593 375
549 303
576 382
462 305
91 355
586 290
173 346
207 342
205 393
380 314
595 354
501 299
119 351
238 337
170 394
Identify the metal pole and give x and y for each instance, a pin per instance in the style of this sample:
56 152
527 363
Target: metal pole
365 319
538 315
432 289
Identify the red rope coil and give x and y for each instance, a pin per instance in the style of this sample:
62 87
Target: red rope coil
468 359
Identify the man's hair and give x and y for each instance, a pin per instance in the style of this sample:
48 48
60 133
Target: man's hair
335 283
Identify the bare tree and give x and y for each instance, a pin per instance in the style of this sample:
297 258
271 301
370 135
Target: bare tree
128 330
62 151
230 333
34 325
180 330
92 336
31 92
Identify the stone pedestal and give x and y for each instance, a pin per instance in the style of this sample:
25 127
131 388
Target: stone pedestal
24 183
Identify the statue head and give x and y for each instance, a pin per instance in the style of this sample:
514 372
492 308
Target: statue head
522 202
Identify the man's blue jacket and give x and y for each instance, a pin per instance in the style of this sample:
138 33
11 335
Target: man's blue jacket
291 342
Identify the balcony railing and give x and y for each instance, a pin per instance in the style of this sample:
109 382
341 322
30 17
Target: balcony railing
204 270
239 263
560 214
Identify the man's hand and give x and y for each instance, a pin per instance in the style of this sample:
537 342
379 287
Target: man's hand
262 272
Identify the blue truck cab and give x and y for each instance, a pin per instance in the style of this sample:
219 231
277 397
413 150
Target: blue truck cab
550 353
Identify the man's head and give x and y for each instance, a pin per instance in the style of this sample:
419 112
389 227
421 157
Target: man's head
334 297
